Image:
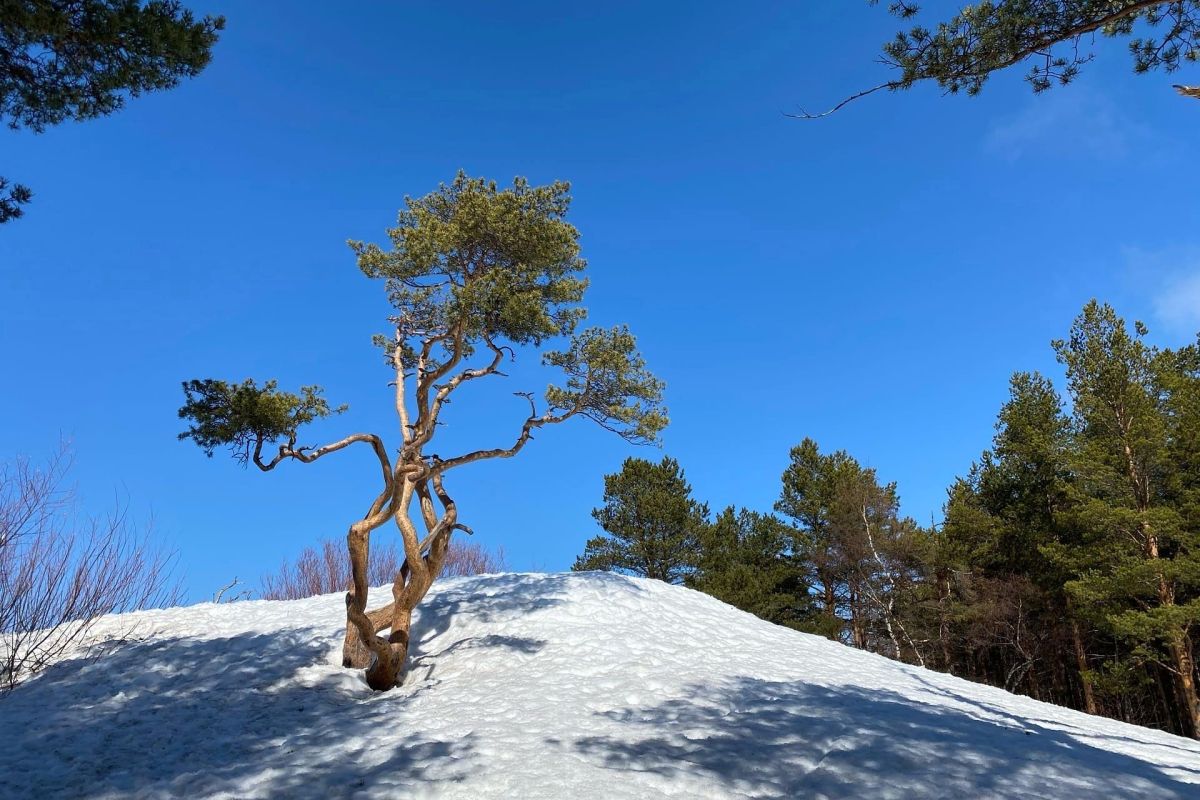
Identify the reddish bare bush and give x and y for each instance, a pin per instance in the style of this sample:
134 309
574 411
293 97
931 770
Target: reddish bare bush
471 558
60 572
326 569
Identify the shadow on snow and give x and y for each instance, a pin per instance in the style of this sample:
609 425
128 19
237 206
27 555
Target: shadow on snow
776 739
188 717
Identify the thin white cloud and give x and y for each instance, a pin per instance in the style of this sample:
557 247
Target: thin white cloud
1170 279
1072 120
1177 304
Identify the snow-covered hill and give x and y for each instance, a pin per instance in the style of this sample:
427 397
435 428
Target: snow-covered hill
549 686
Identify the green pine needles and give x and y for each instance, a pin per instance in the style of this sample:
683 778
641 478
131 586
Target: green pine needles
652 523
1054 38
245 416
66 60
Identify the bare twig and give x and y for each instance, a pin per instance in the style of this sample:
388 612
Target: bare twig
60 574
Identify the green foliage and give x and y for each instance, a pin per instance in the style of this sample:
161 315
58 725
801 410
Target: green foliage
472 265
473 261
1054 36
79 59
1178 375
849 531
244 416
1122 680
12 197
1134 433
607 382
655 528
1118 427
1002 588
1011 506
808 485
746 560
1068 564
1089 520
652 523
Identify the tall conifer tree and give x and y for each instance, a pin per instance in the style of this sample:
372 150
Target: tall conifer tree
854 540
1140 560
749 560
652 523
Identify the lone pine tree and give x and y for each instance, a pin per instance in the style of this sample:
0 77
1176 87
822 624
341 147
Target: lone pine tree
473 273
652 523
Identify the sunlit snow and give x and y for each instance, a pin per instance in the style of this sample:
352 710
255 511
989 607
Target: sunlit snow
548 686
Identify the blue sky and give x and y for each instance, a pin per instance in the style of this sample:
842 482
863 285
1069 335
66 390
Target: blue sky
869 280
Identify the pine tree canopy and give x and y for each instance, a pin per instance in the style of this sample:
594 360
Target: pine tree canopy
652 523
748 560
79 59
849 530
245 416
1135 408
1053 38
472 268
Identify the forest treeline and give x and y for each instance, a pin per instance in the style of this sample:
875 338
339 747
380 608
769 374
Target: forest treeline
1066 566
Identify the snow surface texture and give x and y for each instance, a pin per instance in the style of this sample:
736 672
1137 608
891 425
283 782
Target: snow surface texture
571 686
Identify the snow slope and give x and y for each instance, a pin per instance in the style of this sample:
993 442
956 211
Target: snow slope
548 686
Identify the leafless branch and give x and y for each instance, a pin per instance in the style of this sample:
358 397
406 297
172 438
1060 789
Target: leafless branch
805 115
242 595
60 573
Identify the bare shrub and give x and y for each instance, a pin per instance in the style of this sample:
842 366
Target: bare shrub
61 571
472 558
227 593
326 568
